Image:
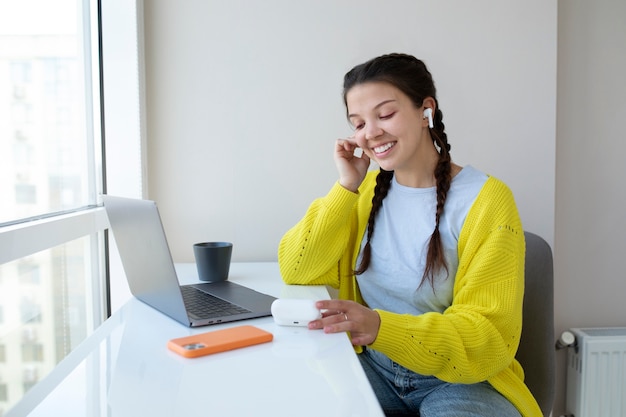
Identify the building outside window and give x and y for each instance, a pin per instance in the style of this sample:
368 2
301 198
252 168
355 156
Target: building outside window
51 263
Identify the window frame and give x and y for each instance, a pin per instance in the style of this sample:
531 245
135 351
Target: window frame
26 238
20 238
116 140
117 143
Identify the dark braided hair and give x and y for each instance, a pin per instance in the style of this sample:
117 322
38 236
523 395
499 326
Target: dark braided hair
409 75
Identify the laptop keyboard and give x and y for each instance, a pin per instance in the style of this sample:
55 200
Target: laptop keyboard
204 305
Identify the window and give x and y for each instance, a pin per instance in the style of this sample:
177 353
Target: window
3 392
51 228
46 79
32 352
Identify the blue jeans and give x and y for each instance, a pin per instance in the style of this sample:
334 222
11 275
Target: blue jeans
402 392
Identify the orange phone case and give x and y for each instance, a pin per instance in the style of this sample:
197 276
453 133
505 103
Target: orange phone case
219 341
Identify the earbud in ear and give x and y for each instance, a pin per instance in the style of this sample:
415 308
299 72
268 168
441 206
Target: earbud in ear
428 114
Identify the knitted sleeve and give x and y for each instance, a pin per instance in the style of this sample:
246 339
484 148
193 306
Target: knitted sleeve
309 253
477 336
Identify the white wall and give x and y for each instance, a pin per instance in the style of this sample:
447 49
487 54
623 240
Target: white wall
590 194
244 103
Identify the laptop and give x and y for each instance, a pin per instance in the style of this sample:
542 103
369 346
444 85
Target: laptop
147 262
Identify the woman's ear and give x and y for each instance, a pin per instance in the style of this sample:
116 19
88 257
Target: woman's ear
430 103
429 110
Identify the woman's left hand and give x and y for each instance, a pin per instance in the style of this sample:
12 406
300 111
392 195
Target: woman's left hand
348 316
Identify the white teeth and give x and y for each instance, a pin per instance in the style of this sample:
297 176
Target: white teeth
383 148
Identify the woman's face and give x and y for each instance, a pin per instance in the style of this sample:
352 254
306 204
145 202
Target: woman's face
388 126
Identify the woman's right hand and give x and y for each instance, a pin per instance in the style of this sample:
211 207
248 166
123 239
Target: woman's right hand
352 168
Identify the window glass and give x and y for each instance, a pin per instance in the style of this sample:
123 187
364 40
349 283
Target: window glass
45 105
50 163
44 313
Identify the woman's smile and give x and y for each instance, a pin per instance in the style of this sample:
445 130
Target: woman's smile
382 150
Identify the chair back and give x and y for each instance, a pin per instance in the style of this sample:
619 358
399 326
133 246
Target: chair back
536 352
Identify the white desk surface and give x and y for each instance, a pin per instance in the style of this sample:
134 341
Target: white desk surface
125 368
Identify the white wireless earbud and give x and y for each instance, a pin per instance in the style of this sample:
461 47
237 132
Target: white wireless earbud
428 113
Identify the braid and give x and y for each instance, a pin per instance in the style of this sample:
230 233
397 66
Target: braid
435 257
383 181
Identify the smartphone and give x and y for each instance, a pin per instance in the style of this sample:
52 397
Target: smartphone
219 341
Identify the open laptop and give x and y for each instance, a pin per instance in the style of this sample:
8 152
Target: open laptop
147 262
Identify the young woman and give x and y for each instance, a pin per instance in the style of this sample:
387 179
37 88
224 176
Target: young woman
428 256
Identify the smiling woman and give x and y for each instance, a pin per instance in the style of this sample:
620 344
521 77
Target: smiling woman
427 256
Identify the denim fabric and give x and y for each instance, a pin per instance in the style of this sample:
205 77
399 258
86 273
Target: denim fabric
402 392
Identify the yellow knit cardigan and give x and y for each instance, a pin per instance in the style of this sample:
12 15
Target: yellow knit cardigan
473 340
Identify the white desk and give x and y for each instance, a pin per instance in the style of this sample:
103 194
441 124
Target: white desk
125 369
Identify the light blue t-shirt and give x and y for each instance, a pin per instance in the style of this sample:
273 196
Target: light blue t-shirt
399 245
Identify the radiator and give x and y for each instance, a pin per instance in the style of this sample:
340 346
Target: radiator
596 373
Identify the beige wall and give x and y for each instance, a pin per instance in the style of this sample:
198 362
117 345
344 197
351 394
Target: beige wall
590 169
244 104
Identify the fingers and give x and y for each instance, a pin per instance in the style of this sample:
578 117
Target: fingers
332 322
335 305
327 313
340 316
352 164
335 316
347 146
349 140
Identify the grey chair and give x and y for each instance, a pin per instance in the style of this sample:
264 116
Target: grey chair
536 351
